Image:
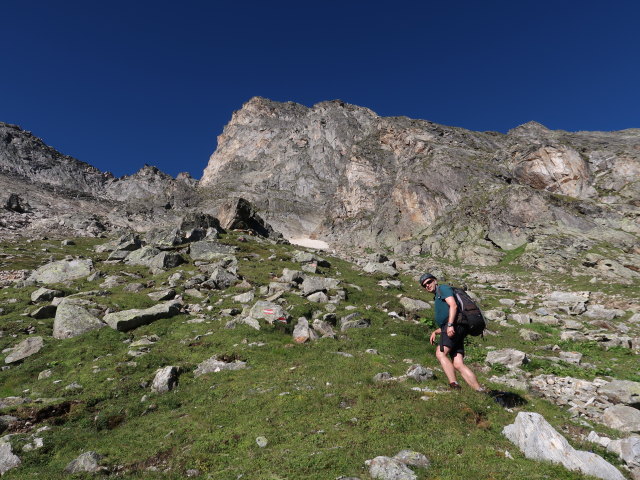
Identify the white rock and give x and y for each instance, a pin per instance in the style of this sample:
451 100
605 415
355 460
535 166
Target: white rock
540 441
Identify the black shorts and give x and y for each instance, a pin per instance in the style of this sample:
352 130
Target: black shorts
455 343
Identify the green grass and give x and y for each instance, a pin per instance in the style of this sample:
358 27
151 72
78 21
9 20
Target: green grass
320 411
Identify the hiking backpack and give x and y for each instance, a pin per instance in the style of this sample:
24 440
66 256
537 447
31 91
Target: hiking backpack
469 315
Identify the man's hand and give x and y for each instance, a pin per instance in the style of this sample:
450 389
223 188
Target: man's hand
432 339
451 332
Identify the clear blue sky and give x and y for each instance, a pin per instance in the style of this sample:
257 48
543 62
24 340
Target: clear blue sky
119 84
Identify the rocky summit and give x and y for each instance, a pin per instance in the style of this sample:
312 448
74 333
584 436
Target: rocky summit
159 327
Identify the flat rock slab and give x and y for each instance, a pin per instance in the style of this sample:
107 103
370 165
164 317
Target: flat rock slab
387 468
621 391
207 250
623 418
213 365
508 357
414 305
130 319
45 295
62 271
73 318
538 440
24 349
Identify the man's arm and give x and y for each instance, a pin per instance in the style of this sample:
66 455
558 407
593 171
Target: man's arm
453 312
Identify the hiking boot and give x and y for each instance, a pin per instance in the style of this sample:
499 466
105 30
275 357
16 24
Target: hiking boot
455 386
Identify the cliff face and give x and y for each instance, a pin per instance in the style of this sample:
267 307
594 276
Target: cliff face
68 196
340 172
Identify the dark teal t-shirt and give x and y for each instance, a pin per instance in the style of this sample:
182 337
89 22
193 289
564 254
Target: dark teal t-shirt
442 307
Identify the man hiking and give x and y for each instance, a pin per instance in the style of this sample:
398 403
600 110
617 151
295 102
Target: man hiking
450 350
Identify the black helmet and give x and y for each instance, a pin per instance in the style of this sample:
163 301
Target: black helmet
424 277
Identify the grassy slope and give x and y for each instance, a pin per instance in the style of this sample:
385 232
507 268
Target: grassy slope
320 411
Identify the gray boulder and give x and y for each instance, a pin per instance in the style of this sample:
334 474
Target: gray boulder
598 312
353 320
413 305
213 365
29 346
130 319
292 276
45 295
628 449
567 302
142 256
623 418
162 295
419 374
208 250
540 441
318 284
387 468
88 462
521 318
268 311
621 391
6 421
7 458
372 267
508 357
164 237
62 271
323 328
165 380
222 278
301 332
415 459
73 318
318 297
246 297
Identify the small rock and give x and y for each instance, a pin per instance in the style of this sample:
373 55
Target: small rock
262 442
86 462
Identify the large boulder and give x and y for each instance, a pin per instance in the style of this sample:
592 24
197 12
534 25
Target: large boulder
45 295
318 284
7 458
87 462
130 319
508 357
63 271
166 379
73 318
622 391
208 250
268 311
154 258
538 440
29 346
413 305
623 418
571 303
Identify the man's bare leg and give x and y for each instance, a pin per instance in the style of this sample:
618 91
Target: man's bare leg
447 364
466 372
